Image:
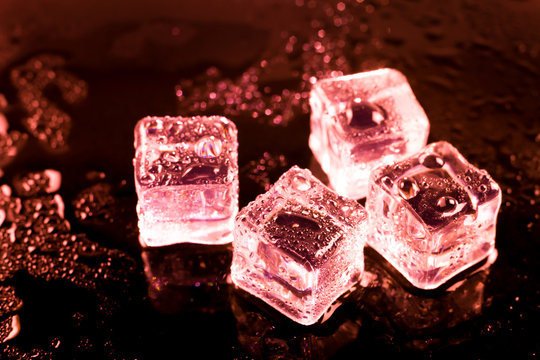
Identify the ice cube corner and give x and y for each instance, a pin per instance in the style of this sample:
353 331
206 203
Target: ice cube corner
299 246
432 215
186 178
360 121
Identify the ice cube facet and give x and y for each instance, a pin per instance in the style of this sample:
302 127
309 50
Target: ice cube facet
359 122
186 177
299 246
432 215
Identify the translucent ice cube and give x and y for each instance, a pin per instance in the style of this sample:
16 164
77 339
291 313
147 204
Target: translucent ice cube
186 176
299 246
432 215
360 121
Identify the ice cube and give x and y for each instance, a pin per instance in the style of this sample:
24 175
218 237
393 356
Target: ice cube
186 177
432 215
299 246
359 122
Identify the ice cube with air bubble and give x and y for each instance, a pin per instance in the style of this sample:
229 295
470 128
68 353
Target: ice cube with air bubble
186 177
432 215
299 246
360 121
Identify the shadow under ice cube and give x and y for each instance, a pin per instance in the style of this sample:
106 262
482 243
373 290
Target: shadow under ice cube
360 121
186 177
432 215
299 246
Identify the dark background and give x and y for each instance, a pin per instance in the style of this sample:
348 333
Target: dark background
473 65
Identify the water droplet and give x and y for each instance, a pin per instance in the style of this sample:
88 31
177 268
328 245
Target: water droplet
208 147
408 188
301 183
432 161
447 205
482 188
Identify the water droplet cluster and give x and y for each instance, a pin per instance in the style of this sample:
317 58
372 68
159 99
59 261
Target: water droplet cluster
36 238
275 89
45 119
10 142
176 151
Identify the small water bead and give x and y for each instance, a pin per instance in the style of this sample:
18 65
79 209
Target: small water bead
208 147
408 188
301 183
482 188
432 161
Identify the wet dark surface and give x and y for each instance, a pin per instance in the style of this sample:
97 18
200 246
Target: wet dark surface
76 77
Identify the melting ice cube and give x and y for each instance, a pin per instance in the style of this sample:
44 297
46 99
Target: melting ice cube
432 215
299 246
186 176
360 121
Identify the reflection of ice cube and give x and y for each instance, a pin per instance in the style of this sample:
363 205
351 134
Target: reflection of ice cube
264 336
186 176
361 120
412 314
188 277
299 246
433 214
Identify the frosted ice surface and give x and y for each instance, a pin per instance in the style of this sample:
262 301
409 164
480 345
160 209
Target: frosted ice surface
360 121
299 246
186 176
432 215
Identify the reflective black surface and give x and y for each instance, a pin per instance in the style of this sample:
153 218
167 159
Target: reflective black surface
76 77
